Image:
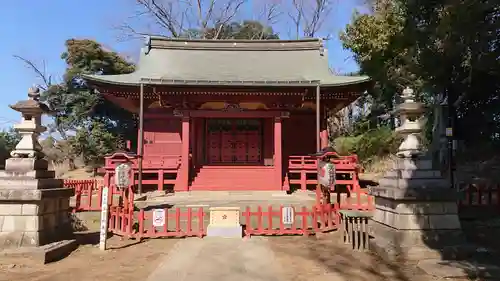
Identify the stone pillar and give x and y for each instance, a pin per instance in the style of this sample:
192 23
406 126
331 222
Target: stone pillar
34 206
416 211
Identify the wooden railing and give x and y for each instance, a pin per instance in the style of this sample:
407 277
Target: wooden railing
302 172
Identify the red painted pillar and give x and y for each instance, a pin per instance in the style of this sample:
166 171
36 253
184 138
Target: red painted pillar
324 139
278 154
183 176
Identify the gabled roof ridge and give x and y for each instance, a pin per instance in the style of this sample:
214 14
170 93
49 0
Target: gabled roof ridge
158 42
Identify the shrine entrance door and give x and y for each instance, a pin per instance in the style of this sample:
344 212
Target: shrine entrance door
234 141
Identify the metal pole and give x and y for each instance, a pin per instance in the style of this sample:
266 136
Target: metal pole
319 191
451 137
141 136
318 121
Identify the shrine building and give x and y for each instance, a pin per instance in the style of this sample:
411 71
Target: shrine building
226 114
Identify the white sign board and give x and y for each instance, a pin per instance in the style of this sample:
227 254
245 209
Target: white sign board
158 217
122 176
104 219
449 132
287 215
326 173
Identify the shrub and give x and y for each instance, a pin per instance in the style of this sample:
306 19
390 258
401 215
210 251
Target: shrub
370 145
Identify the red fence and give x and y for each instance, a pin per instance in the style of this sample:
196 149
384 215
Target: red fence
306 221
178 223
88 194
302 171
479 195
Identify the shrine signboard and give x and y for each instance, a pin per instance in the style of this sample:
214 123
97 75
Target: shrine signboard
122 176
326 173
287 215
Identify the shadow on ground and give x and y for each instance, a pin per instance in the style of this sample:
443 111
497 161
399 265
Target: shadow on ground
326 258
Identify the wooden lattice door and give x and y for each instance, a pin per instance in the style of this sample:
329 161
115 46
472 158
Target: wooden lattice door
236 141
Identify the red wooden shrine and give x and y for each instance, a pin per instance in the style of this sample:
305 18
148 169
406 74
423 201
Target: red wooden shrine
229 114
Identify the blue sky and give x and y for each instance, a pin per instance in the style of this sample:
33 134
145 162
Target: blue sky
37 30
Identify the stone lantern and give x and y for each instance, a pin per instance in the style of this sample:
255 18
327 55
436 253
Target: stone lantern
415 213
30 127
410 113
35 220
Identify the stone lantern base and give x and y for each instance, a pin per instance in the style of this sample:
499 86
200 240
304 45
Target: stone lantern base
416 214
34 211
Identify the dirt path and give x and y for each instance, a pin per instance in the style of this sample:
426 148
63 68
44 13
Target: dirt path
325 259
126 260
218 259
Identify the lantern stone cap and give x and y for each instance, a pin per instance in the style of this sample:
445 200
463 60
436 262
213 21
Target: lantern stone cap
32 104
411 107
408 93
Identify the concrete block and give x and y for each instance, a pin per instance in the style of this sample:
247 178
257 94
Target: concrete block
21 223
50 220
33 256
30 209
49 205
445 222
24 165
32 223
411 222
34 195
8 209
64 204
29 183
225 231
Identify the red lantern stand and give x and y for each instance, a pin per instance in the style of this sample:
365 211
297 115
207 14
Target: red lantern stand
326 183
326 176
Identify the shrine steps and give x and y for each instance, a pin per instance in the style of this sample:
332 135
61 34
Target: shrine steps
234 178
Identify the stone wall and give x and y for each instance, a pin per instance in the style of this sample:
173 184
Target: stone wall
32 222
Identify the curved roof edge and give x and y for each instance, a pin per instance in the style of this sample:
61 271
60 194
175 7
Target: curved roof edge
156 42
167 61
132 80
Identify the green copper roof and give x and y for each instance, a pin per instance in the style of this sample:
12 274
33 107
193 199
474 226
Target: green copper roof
231 62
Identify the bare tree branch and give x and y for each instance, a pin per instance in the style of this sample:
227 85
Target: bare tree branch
178 18
308 16
40 72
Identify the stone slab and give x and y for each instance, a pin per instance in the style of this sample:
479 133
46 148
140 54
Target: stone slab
414 193
61 230
28 183
25 165
457 269
411 164
225 231
35 194
417 207
218 259
418 244
38 255
39 174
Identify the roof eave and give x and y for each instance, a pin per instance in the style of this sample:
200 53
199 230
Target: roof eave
361 80
177 82
271 83
103 79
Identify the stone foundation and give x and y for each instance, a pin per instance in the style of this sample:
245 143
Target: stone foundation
416 215
415 245
32 223
34 207
410 215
